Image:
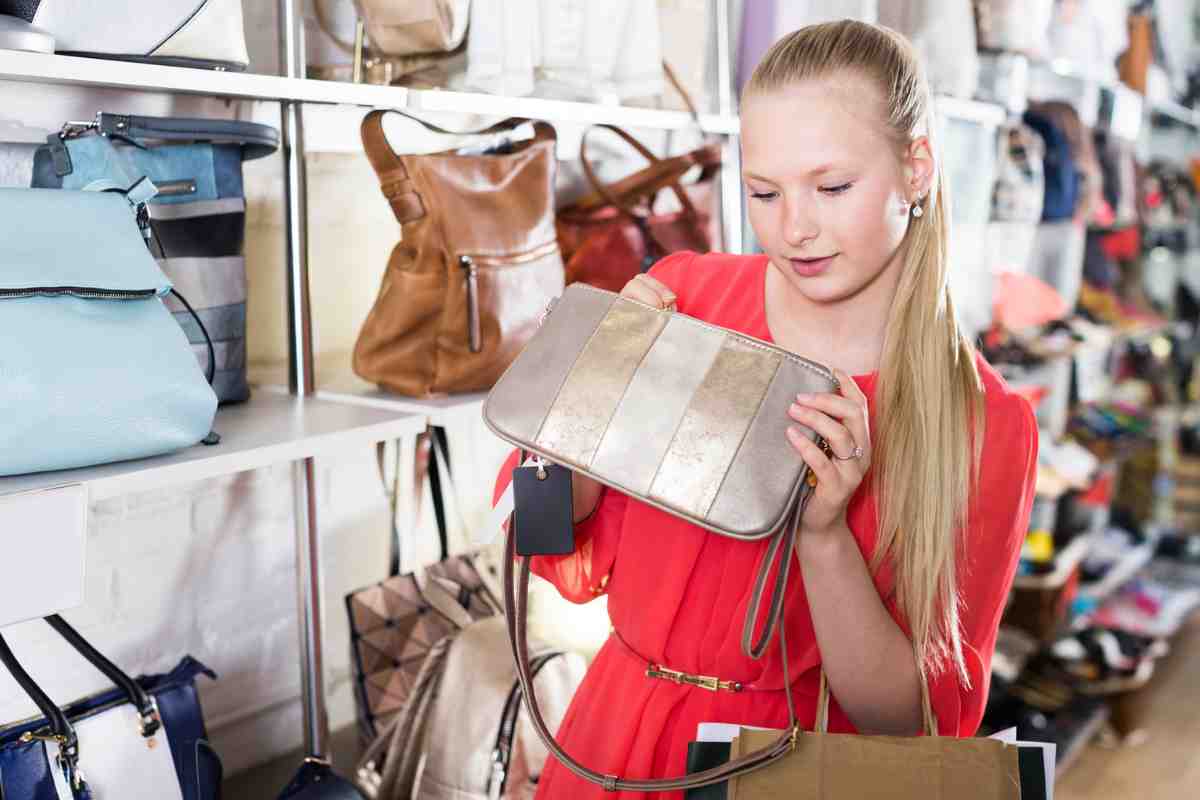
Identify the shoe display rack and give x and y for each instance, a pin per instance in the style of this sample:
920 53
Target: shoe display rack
1160 131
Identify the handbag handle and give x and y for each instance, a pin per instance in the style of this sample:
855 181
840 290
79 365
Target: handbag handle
649 181
60 726
929 719
516 597
61 730
425 469
143 702
659 175
395 182
255 139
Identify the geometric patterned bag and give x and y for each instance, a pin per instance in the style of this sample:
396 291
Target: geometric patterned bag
392 625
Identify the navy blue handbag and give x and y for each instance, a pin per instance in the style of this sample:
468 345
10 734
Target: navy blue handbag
1062 175
111 744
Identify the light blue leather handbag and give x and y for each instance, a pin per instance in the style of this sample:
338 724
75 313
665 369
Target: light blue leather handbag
93 368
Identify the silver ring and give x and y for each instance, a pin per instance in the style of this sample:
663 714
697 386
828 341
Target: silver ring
858 453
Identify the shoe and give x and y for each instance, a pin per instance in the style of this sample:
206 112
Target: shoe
183 33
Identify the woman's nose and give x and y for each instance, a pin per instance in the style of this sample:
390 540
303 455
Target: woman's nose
799 225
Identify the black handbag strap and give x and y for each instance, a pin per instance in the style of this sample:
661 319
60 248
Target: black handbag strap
60 729
59 725
256 140
147 710
425 469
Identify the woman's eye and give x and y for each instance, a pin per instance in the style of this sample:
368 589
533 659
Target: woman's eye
836 190
764 195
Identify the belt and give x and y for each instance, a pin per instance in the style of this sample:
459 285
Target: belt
660 672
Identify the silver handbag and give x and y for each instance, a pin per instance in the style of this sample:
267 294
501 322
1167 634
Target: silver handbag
674 412
460 734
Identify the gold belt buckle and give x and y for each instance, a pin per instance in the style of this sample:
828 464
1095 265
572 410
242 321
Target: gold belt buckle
708 682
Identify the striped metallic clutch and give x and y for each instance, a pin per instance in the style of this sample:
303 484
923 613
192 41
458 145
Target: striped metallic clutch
683 415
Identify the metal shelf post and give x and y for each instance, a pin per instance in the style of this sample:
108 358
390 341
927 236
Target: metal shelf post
731 150
309 582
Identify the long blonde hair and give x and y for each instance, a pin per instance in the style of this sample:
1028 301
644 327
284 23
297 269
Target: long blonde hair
929 397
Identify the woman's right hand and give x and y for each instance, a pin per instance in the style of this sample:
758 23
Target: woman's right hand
650 291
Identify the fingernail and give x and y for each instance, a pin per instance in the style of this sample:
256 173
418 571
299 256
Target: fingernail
793 431
803 396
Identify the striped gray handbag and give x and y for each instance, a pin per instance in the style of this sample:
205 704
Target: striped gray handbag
197 219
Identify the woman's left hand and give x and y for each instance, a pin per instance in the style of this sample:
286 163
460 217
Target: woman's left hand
842 421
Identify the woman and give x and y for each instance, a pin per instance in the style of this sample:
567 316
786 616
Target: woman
911 540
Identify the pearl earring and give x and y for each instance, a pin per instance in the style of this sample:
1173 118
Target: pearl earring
917 211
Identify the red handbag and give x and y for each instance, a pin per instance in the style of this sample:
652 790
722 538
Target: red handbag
616 231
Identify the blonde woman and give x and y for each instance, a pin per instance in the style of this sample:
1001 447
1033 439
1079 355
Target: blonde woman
909 545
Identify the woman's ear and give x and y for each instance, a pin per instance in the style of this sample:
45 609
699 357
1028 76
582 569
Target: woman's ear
919 168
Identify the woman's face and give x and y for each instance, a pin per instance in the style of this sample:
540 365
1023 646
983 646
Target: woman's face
828 191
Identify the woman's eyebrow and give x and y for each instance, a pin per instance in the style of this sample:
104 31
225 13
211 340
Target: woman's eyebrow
814 172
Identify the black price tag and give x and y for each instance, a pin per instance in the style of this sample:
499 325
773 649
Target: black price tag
543 511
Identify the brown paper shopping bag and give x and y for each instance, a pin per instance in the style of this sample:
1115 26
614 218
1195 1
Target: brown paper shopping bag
828 766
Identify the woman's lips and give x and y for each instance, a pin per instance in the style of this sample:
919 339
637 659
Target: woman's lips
811 267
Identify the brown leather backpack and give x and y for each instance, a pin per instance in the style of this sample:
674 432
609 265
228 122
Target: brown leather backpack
476 264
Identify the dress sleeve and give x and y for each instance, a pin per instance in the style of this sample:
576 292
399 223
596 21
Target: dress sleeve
582 575
998 522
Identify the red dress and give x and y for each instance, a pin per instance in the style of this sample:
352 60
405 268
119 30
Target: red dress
677 595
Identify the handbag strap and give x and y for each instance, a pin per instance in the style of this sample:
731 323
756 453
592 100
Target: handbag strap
661 174
59 725
256 140
421 464
778 551
143 702
929 719
394 178
516 597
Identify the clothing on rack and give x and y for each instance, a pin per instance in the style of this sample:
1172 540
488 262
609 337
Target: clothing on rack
565 48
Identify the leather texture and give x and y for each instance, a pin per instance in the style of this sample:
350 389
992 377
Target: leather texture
416 26
197 218
614 233
476 265
26 773
145 393
201 30
607 389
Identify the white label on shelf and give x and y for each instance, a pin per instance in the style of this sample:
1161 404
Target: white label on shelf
44 533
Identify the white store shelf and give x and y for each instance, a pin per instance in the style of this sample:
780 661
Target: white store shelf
268 429
337 382
73 70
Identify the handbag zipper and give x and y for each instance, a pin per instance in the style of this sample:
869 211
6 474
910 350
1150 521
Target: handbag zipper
470 264
79 291
502 753
474 334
